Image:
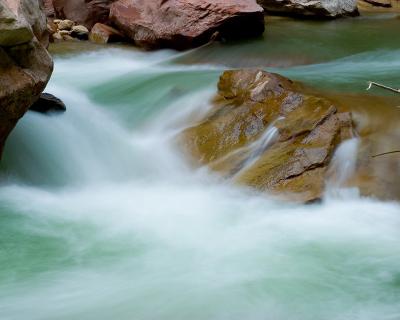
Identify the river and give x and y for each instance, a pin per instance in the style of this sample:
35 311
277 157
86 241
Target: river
101 216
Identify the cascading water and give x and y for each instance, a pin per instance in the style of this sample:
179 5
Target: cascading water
258 147
342 168
101 218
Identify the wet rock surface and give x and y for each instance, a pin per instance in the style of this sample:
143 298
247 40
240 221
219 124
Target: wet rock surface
48 103
25 64
183 24
266 133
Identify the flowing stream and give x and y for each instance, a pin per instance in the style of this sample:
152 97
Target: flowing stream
101 217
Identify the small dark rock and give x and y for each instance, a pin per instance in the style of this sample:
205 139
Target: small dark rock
48 103
80 32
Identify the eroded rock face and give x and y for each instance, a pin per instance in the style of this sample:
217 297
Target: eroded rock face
25 64
265 133
183 24
312 8
85 12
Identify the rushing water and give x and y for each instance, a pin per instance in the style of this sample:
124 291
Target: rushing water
102 218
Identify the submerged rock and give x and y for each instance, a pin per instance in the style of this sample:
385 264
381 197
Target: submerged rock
48 103
266 133
183 24
312 8
25 64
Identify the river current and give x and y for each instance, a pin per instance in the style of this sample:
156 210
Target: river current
102 217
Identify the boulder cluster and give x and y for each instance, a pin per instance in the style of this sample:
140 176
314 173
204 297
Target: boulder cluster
68 30
178 24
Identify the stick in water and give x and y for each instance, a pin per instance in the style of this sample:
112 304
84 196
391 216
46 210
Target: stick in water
371 83
385 153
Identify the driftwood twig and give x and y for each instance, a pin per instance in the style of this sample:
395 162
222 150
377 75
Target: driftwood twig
385 153
371 83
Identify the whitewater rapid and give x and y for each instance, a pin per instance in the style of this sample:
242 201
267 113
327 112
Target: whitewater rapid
101 217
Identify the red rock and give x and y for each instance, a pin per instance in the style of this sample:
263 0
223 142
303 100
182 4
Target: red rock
85 12
183 24
102 33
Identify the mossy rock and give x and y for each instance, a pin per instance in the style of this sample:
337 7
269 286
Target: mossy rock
305 131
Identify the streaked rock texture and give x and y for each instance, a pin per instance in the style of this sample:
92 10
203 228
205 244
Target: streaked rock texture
312 8
183 24
266 133
25 64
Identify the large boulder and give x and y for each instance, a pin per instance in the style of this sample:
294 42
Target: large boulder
183 24
25 64
85 12
312 8
266 133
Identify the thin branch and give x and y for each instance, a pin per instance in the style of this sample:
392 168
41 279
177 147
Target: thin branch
386 153
371 83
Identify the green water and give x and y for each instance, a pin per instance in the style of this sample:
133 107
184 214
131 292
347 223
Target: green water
102 218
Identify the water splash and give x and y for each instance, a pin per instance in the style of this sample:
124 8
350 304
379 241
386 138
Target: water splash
258 147
342 169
